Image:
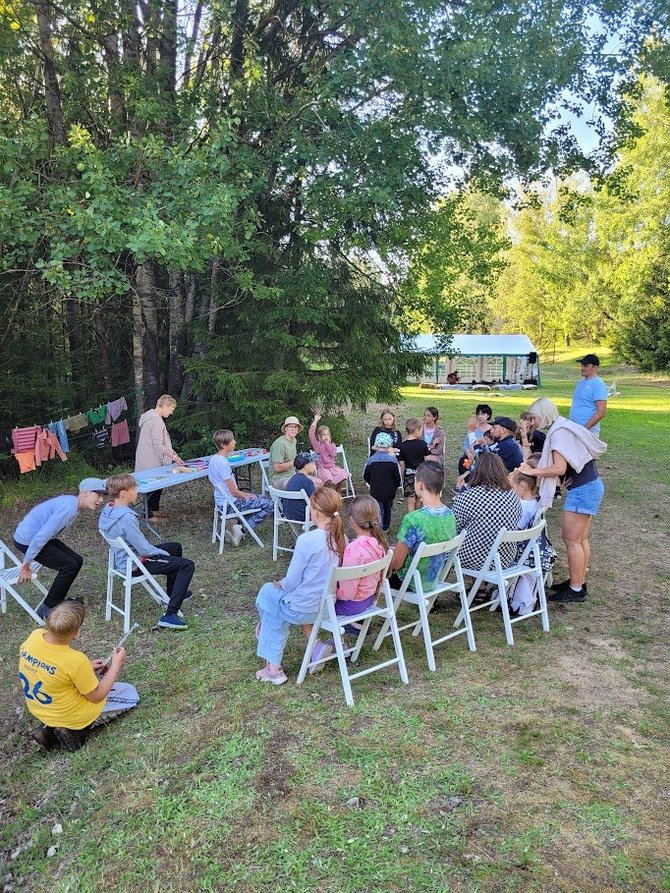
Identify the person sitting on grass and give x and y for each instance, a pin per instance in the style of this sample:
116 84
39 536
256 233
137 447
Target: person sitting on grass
60 684
221 477
413 451
36 539
303 479
118 519
434 523
295 599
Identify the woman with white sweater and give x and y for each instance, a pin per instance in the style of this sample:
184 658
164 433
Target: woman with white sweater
569 452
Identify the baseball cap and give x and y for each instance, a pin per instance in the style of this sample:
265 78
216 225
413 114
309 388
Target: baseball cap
505 422
589 360
303 459
93 485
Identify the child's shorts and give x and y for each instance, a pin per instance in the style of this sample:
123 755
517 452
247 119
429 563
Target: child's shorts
585 500
408 484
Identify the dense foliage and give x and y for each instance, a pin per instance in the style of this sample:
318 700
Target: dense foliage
232 201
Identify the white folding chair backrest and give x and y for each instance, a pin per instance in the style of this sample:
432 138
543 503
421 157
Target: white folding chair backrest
328 620
492 571
277 497
10 567
265 483
349 491
129 579
412 592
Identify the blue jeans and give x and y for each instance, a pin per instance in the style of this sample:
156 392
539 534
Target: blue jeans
265 507
276 621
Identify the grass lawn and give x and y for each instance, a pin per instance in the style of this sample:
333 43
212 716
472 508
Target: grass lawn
541 767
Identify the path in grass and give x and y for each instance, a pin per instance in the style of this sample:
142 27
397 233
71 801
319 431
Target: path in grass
537 768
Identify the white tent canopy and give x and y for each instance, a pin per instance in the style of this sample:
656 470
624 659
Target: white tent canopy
480 358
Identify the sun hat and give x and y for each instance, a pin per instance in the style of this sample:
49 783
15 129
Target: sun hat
303 459
291 420
383 440
93 485
589 360
505 422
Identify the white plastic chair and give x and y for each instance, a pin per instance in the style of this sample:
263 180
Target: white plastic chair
493 572
129 579
10 566
230 512
612 391
424 600
328 620
296 527
349 491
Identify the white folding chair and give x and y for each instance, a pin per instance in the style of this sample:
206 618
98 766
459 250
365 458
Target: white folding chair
129 579
265 483
329 621
612 391
296 527
349 491
424 601
493 572
10 566
230 512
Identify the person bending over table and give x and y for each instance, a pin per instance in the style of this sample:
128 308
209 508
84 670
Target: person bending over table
154 447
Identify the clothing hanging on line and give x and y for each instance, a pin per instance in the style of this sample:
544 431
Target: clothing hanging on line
114 410
100 437
76 422
58 429
97 416
26 461
120 434
47 446
23 439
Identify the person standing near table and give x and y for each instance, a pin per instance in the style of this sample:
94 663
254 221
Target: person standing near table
154 447
589 400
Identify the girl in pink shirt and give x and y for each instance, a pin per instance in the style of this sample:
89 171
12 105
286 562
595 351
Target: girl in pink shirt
354 596
327 468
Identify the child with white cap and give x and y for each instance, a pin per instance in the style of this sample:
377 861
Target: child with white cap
36 539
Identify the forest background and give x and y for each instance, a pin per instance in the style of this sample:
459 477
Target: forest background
255 204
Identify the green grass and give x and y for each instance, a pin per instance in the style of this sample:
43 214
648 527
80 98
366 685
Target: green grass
537 768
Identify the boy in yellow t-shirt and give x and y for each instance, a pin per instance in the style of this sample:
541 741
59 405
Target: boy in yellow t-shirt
60 684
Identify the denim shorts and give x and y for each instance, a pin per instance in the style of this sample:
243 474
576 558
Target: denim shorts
585 500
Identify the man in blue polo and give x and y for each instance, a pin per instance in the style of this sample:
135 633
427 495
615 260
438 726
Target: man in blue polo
503 429
589 401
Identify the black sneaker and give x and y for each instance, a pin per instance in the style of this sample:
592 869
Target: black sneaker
556 587
567 595
70 739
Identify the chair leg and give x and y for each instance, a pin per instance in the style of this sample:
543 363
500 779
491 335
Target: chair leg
126 603
398 646
24 604
360 641
316 626
384 631
3 600
110 596
504 607
344 671
427 639
222 531
542 595
214 525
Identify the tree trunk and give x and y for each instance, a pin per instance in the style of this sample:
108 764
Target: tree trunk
177 333
138 365
103 352
52 97
146 290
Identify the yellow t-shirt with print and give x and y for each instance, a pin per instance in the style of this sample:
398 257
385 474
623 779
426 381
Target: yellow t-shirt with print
55 680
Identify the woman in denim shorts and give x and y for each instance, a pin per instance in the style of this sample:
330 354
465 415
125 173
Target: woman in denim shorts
584 494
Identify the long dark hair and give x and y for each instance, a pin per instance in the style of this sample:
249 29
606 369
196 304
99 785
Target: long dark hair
490 472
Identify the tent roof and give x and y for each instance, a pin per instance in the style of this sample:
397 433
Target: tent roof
478 345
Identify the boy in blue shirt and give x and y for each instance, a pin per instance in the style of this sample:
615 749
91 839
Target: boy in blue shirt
36 539
303 479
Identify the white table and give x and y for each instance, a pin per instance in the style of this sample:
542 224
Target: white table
166 476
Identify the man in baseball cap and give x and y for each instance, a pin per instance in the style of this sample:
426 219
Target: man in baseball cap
503 429
589 400
36 539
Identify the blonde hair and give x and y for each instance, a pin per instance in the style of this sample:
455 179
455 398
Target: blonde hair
120 482
223 437
364 513
531 482
329 503
413 425
321 430
66 619
166 400
545 410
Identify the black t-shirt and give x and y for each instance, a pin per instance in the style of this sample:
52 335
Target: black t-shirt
294 509
413 452
537 440
395 435
383 476
574 478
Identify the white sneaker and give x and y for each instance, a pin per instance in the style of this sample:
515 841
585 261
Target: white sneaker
237 534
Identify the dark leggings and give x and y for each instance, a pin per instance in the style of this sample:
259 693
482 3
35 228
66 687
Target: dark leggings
153 502
385 510
57 557
179 572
